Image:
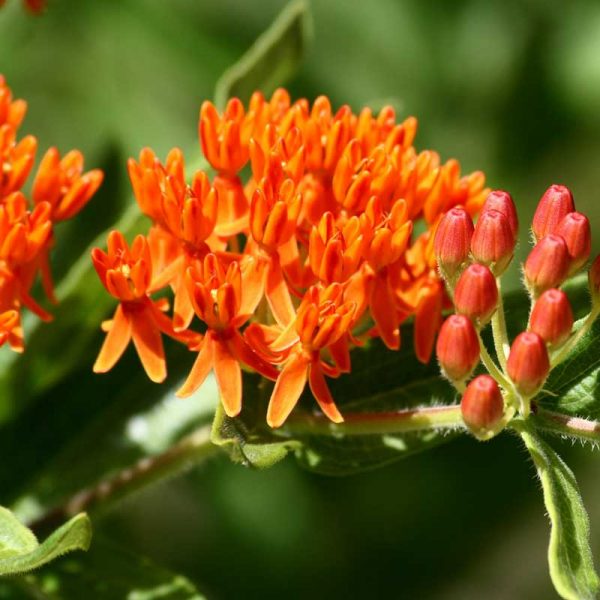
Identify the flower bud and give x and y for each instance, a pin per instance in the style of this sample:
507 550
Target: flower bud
482 405
493 241
547 264
574 228
528 364
457 347
594 280
453 240
552 317
556 202
503 202
476 293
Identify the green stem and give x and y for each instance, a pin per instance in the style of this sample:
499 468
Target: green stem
428 418
493 370
198 446
499 330
401 421
189 451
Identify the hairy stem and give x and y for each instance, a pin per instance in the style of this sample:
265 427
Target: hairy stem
198 446
189 451
554 422
401 421
493 370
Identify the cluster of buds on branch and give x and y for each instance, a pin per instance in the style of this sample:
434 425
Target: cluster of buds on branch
60 190
301 246
471 260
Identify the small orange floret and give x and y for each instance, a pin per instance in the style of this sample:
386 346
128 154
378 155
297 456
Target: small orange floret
286 266
62 183
27 227
127 275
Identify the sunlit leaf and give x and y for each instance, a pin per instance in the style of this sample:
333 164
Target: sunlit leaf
272 59
571 562
20 551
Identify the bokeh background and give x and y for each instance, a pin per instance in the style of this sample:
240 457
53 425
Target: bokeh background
509 87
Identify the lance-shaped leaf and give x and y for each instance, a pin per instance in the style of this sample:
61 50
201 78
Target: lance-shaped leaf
20 551
569 554
272 59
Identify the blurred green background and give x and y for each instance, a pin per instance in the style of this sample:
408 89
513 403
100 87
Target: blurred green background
510 87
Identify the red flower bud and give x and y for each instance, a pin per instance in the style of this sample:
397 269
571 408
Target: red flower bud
547 264
476 293
528 364
594 280
453 240
502 202
457 347
493 241
556 202
482 405
574 228
552 317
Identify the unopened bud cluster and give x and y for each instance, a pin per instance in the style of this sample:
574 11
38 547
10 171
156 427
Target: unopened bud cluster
471 259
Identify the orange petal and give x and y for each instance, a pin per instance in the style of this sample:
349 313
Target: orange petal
322 394
115 342
287 391
183 310
252 286
278 295
340 352
244 353
229 378
47 281
383 310
148 343
33 306
200 370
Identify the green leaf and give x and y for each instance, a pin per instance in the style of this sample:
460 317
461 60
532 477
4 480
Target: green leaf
15 538
21 552
569 554
106 572
381 381
257 448
272 59
573 387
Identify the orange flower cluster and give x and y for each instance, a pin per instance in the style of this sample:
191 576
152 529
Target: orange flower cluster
289 268
59 191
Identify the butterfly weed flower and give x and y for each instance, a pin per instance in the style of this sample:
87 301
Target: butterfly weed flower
224 299
127 274
321 323
27 224
299 246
